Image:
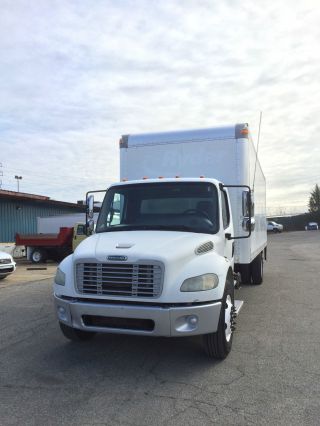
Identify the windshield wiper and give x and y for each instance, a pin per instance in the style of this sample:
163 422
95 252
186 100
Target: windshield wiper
147 228
170 227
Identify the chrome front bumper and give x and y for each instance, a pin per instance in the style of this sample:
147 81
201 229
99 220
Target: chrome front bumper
172 321
6 269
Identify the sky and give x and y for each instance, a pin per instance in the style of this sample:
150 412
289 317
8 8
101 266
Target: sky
76 75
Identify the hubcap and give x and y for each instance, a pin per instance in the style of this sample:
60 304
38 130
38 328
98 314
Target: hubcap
228 318
36 256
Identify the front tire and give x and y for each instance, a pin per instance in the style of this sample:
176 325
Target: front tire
218 345
245 272
74 334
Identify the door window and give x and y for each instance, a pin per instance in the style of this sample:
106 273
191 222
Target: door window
225 209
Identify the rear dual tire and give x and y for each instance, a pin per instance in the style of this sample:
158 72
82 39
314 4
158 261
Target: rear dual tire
257 270
253 273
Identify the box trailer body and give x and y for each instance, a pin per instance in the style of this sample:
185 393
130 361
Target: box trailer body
52 224
219 153
170 241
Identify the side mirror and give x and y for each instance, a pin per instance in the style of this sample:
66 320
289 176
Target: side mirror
89 215
90 206
248 222
247 203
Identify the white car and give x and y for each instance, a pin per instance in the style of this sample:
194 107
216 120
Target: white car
274 227
312 226
7 264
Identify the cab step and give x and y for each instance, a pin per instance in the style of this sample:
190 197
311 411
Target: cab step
238 305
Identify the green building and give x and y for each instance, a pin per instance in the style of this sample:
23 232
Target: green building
19 212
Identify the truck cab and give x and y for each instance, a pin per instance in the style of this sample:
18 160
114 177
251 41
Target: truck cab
160 263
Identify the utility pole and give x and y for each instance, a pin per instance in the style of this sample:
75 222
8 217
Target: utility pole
18 178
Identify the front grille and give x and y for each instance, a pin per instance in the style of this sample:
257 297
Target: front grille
5 270
114 279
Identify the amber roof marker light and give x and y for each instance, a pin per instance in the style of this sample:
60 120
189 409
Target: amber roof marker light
244 131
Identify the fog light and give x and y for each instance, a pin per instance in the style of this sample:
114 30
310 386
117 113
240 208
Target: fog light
186 323
62 313
193 320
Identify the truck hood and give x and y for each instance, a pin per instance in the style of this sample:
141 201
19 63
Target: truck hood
141 245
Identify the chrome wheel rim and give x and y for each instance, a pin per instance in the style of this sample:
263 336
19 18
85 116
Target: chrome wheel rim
228 318
36 256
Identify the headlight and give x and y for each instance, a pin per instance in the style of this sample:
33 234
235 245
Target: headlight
200 283
60 277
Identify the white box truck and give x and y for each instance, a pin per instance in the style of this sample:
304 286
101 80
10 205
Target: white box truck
172 240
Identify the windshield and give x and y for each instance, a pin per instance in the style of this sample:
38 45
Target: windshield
179 206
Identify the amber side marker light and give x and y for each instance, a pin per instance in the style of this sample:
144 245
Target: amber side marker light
244 132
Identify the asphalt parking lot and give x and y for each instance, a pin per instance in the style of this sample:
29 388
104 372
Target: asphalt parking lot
272 375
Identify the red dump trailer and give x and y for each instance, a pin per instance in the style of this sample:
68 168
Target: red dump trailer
41 247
